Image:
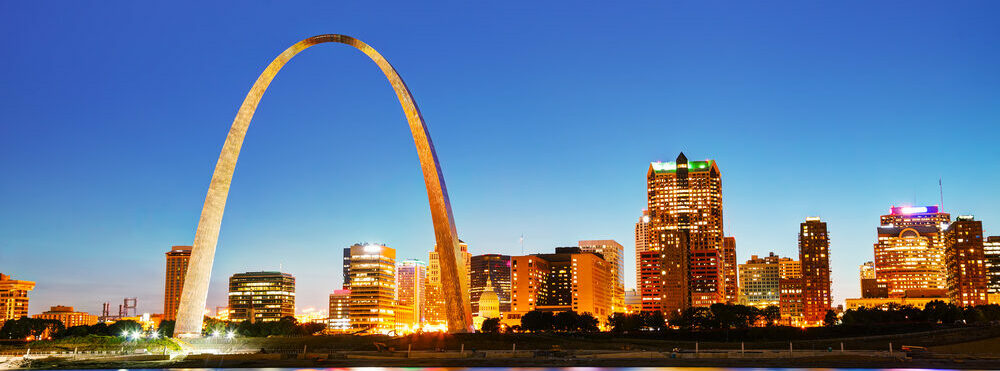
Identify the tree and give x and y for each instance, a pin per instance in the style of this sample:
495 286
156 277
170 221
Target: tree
830 319
771 315
588 323
748 316
310 328
941 312
34 328
566 321
726 315
695 318
491 325
653 320
535 321
622 323
82 330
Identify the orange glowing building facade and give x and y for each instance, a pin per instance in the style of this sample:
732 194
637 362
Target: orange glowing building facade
411 282
68 316
13 298
683 262
909 254
814 257
373 288
434 311
177 262
729 270
569 280
641 230
612 252
966 262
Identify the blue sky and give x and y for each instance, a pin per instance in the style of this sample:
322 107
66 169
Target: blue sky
545 118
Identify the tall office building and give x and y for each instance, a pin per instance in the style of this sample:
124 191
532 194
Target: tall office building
435 312
177 262
373 288
991 252
966 262
814 255
493 269
909 254
614 253
641 230
568 280
261 296
347 268
729 269
683 257
759 279
13 297
870 287
411 280
339 315
790 291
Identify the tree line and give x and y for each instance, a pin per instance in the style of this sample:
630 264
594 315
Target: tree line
539 321
35 328
933 312
714 317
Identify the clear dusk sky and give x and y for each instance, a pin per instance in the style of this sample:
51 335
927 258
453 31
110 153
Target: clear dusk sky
545 117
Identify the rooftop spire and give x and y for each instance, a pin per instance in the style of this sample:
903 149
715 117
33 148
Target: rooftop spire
681 158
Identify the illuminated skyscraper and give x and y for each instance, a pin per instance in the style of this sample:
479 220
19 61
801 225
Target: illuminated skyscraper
13 298
373 288
569 280
814 255
991 252
411 280
261 296
966 262
177 262
614 253
909 254
434 314
683 258
340 305
493 269
729 269
641 230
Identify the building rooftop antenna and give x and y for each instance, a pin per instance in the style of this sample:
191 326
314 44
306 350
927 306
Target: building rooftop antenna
522 244
941 189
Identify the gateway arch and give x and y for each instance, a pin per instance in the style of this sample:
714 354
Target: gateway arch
453 277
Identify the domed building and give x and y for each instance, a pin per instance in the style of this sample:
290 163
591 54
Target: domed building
489 305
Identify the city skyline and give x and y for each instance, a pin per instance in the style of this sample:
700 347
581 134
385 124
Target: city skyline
120 226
